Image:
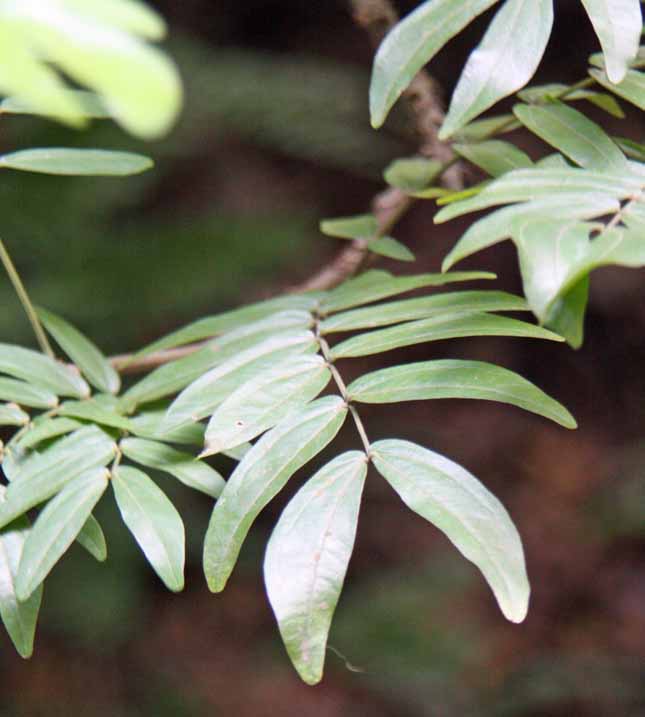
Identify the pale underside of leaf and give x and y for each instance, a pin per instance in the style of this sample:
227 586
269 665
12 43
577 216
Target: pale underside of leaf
260 475
307 556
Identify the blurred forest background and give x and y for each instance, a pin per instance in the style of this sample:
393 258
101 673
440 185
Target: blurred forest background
274 137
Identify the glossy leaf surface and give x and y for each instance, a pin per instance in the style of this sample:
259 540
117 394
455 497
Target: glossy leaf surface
42 371
19 618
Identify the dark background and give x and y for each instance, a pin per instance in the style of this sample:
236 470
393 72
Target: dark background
275 136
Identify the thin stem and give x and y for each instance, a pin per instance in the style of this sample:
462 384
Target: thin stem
338 379
19 287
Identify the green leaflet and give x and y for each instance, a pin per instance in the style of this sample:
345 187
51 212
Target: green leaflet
264 400
567 313
26 394
472 518
505 61
358 227
576 136
410 309
482 129
93 46
183 466
83 353
42 475
87 105
530 185
550 92
260 475
412 43
12 415
150 424
436 328
211 326
175 376
154 522
92 539
507 223
44 428
93 410
56 527
412 174
76 162
202 396
391 248
456 379
494 156
618 24
41 370
375 285
307 556
569 252
631 88
19 618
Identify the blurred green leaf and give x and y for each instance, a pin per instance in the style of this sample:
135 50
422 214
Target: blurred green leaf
391 248
83 352
631 88
412 174
12 415
91 537
494 156
358 227
76 162
87 105
45 427
618 24
26 394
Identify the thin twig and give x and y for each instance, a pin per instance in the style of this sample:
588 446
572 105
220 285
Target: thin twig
23 296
